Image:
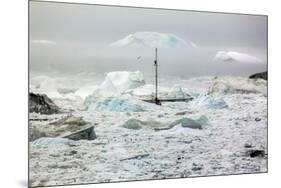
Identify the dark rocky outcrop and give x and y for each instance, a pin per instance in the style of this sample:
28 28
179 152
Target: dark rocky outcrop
261 75
40 103
255 153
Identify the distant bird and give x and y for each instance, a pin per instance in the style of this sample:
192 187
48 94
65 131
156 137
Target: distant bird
139 58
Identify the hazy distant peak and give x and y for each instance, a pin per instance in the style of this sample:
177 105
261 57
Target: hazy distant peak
153 40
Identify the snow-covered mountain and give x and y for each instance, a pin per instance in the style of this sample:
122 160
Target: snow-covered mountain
236 57
153 40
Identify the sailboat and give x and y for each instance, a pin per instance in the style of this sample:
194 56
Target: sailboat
156 100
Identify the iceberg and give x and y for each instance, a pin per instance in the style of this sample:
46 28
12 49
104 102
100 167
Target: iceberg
121 81
83 92
111 94
153 40
236 56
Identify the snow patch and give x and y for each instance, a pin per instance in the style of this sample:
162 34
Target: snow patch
111 94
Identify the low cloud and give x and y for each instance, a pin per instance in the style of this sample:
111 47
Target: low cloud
43 42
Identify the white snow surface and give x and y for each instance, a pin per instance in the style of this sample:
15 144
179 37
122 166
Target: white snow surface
153 40
233 56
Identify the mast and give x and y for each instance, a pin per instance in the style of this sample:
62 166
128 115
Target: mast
157 101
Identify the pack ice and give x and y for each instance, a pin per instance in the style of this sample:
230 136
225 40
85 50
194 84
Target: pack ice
222 131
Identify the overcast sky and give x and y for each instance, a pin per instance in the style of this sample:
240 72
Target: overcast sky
72 38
